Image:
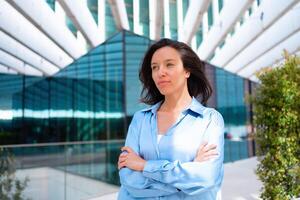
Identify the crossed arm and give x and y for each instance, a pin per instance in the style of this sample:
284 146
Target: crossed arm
153 178
133 161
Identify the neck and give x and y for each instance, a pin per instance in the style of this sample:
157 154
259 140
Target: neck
176 102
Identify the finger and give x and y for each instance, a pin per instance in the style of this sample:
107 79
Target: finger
212 147
128 149
209 147
122 155
122 159
122 163
211 153
201 147
123 150
203 144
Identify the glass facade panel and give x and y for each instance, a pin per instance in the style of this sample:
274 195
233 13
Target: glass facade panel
83 102
199 36
210 15
173 19
134 50
144 17
110 25
93 7
220 5
51 3
231 103
185 6
71 26
129 9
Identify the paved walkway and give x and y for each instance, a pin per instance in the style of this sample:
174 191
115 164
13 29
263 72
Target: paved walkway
240 182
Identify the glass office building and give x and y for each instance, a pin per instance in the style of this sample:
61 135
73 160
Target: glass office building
95 97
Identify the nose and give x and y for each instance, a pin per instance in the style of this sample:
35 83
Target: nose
161 72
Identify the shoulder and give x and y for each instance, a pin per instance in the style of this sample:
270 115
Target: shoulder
139 115
146 111
213 116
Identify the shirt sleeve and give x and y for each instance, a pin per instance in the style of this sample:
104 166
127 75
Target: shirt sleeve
193 177
134 181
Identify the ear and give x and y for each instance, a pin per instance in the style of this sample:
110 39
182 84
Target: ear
187 74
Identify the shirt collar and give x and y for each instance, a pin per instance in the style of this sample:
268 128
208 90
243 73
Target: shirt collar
195 106
153 108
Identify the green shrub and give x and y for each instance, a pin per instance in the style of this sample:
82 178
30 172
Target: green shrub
277 122
11 188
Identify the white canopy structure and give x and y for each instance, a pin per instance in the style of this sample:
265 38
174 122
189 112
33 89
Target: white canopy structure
241 36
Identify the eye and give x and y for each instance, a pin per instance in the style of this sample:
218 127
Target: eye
170 65
153 67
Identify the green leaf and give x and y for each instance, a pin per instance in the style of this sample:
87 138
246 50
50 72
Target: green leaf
277 122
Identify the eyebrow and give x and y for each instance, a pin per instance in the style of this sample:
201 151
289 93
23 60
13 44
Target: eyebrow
165 61
170 60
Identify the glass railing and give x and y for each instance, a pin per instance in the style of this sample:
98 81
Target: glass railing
63 171
237 150
78 170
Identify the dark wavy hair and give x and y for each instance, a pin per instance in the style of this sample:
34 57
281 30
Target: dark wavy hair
198 85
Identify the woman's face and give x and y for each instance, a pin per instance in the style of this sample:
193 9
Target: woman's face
168 72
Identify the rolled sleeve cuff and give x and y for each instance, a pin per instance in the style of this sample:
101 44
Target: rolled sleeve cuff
154 168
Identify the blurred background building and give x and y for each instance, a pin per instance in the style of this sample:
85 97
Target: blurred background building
69 77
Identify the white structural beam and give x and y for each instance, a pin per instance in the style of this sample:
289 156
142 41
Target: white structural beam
263 17
101 21
16 49
193 19
179 15
156 18
7 70
284 28
230 14
216 14
119 13
41 15
274 55
166 12
18 65
82 18
18 27
136 17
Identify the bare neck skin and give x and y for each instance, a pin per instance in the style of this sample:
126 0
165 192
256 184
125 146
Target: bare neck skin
176 102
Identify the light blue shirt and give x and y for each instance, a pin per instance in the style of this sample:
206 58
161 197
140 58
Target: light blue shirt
170 172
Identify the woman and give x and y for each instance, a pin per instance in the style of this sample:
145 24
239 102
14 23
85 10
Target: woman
174 149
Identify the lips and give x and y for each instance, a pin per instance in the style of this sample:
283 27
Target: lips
162 83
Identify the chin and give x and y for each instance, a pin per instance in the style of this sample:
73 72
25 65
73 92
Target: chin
165 92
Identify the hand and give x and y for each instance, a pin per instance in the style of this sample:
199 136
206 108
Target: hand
131 160
206 152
